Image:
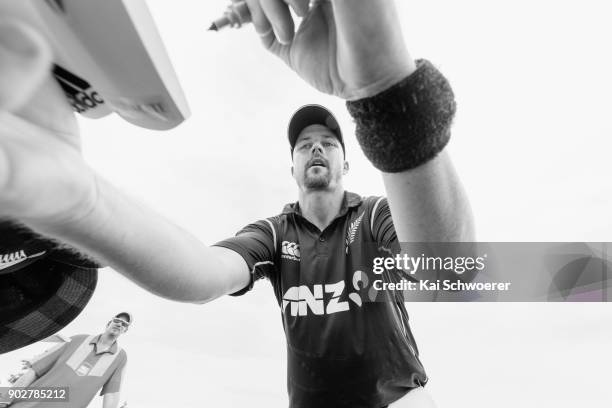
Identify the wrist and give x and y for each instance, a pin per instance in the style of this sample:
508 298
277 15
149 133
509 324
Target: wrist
384 82
408 124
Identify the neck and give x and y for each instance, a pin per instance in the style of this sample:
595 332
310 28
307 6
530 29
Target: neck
107 339
320 207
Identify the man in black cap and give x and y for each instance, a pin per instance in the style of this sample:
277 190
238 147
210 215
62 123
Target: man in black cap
344 349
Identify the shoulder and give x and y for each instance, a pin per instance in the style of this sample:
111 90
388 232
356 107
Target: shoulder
371 205
268 225
372 201
74 342
78 338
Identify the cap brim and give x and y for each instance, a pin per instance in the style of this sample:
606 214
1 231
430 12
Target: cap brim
312 115
37 320
42 289
128 314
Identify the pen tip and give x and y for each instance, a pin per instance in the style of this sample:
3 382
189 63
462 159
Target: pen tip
213 27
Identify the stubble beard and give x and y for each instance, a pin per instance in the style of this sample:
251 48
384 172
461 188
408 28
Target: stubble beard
319 181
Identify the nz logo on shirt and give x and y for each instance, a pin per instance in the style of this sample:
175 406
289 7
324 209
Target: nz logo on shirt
324 299
290 250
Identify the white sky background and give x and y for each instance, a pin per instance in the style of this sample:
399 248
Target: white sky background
531 141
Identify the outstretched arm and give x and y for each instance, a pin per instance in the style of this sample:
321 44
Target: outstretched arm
428 204
46 185
355 49
27 378
150 250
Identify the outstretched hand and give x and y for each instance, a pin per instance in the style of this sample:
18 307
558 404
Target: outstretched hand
43 177
348 48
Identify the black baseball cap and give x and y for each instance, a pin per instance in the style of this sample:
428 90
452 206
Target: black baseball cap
43 287
313 115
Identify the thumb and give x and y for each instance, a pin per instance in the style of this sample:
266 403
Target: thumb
25 59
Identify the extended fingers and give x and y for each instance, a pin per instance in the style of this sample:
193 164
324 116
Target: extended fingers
260 21
280 18
273 16
25 58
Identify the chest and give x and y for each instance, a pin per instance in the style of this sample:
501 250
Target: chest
321 272
85 362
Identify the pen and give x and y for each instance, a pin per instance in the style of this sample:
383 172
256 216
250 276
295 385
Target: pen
234 16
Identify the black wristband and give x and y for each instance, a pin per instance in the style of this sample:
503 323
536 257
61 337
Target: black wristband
408 124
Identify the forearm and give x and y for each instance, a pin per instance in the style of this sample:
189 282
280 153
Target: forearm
111 400
26 379
367 28
146 248
403 131
429 204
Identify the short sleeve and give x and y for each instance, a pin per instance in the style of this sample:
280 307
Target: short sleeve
114 382
383 230
43 363
256 244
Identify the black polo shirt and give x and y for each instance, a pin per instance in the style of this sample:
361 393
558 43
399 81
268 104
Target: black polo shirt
343 349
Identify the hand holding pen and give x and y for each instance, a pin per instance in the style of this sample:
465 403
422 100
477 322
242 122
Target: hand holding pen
348 48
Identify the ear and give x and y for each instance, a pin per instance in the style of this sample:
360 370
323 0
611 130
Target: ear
292 171
345 168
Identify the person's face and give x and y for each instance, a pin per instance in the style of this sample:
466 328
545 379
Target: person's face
318 159
117 326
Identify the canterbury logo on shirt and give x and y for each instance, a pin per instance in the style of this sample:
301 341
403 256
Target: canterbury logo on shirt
290 250
305 301
15 258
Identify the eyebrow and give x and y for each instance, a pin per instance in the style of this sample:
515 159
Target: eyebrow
309 138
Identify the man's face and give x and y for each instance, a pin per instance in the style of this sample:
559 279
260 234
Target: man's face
117 326
318 159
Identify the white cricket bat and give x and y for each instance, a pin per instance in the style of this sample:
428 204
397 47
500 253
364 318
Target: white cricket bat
110 58
80 94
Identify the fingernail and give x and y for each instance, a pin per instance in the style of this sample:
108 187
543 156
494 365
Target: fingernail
17 40
267 33
279 39
282 41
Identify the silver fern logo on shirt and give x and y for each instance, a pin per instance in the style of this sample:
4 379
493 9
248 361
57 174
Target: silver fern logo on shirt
351 233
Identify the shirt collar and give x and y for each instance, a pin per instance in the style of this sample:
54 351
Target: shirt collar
112 349
350 200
